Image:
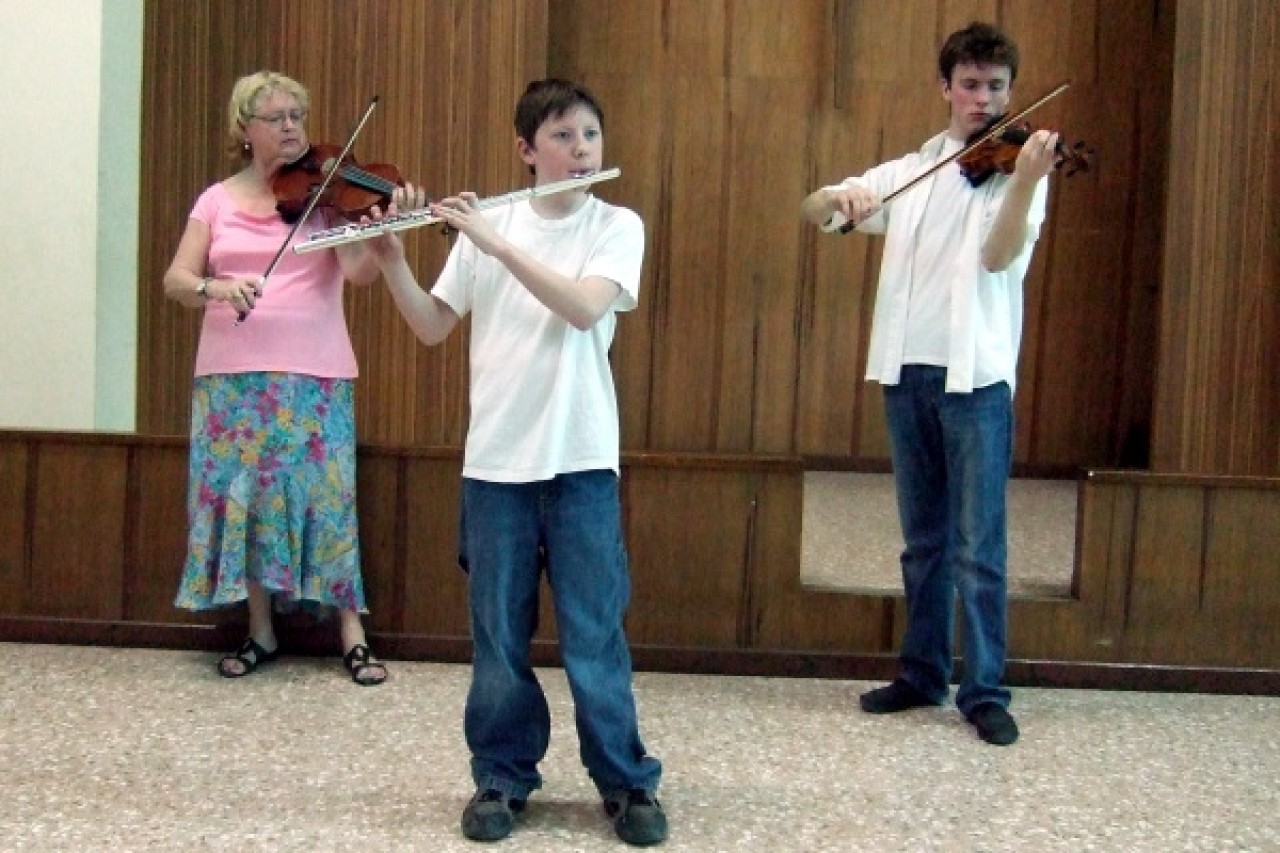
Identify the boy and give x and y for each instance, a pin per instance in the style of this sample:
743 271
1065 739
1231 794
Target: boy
944 343
543 279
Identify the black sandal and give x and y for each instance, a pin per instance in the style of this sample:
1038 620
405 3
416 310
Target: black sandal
250 656
359 661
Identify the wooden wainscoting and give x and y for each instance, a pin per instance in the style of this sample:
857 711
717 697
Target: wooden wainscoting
1176 586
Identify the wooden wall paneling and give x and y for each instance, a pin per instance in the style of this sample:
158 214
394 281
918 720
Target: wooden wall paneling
688 256
437 129
14 525
383 520
404 381
768 63
1136 46
1177 377
398 375
1174 571
1057 46
389 398
689 535
881 46
585 40
1189 570
954 14
1083 313
1206 549
1041 629
1269 398
1030 387
773 580
435 589
838 292
774 40
395 58
78 547
1268 421
182 134
1105 556
1250 93
1164 589
696 38
1241 584
1220 252
795 617
158 523
761 290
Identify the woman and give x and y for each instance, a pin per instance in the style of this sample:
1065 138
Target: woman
271 503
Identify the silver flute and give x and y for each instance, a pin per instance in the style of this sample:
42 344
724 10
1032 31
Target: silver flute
417 218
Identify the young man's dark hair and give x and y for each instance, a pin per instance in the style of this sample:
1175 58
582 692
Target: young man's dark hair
981 44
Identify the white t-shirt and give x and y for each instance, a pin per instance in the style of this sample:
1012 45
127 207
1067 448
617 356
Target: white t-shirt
929 311
542 395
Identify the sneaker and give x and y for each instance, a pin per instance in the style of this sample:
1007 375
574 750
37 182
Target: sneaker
994 723
490 816
892 698
637 816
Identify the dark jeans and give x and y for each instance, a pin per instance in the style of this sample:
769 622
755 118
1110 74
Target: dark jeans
573 523
951 458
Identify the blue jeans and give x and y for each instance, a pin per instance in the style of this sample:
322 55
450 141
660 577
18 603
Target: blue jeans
951 458
571 525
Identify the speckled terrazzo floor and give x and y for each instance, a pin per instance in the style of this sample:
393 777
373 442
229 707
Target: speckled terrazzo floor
852 539
124 749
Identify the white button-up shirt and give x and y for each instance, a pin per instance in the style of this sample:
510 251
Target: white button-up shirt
986 307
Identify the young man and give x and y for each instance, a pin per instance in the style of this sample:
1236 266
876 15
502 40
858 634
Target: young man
944 344
543 280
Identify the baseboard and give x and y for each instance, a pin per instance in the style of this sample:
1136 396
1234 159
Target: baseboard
647 658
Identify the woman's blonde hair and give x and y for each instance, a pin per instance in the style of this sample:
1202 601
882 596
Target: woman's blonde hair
244 99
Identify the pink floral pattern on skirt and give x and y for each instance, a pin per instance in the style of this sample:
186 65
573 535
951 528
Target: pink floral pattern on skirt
272 492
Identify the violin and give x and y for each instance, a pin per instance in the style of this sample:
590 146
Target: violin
1000 153
303 184
351 192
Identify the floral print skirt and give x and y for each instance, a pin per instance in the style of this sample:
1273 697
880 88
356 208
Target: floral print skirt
272 492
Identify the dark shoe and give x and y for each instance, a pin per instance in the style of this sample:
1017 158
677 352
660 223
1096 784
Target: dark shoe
637 816
250 656
994 723
364 670
490 816
892 698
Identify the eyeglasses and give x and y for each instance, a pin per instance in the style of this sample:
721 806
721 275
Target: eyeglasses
276 120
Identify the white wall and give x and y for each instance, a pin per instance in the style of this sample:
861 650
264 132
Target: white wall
70 90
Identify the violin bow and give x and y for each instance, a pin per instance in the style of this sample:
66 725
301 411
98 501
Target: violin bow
991 132
311 205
